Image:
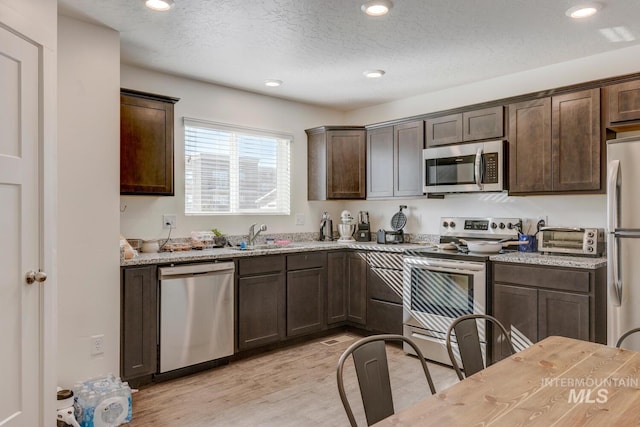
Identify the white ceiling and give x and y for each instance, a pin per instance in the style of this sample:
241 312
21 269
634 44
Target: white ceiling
320 48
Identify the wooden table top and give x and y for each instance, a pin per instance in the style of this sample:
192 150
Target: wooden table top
558 381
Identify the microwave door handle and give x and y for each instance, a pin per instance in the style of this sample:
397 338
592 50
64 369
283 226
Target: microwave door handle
614 281
478 165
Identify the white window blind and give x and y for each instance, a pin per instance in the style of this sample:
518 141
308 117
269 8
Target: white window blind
235 170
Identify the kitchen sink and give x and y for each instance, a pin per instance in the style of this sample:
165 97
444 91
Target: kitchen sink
262 247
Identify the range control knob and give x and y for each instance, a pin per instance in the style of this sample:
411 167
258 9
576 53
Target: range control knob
445 224
509 226
590 249
494 225
452 224
589 241
590 234
502 226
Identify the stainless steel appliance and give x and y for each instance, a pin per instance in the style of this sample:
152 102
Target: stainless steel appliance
398 221
363 232
442 284
196 314
464 168
326 228
571 241
623 240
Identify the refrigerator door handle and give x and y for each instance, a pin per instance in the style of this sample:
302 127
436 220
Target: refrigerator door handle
614 281
612 195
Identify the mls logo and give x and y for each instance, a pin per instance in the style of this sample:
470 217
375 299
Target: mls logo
584 395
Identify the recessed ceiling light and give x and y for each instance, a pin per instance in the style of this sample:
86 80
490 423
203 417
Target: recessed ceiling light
583 10
159 5
377 7
272 82
373 74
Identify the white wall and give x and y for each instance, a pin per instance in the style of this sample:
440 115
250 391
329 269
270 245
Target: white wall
88 198
143 215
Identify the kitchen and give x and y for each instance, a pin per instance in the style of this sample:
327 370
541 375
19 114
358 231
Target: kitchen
88 112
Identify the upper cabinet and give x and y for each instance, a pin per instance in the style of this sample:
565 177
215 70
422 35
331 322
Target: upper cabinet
146 144
555 144
336 158
622 103
472 125
394 160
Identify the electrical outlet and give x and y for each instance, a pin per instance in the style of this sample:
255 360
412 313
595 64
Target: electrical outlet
168 221
299 219
97 345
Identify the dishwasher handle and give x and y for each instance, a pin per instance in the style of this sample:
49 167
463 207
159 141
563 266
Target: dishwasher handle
196 270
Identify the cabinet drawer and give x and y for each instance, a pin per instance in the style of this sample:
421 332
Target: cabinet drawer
542 277
385 260
384 317
385 285
260 265
306 260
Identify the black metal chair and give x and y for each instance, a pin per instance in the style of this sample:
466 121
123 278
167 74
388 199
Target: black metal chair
468 342
625 335
370 360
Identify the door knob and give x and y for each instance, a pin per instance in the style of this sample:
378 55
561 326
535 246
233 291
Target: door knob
33 276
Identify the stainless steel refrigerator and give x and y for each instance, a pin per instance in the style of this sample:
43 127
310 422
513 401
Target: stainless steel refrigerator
623 240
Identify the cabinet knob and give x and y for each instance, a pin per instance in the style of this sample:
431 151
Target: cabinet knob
32 276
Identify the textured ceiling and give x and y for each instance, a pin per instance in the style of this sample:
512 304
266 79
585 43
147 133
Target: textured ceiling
320 48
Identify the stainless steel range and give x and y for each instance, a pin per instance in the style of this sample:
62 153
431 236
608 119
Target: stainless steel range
440 285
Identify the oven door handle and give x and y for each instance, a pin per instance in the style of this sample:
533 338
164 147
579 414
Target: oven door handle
445 265
562 229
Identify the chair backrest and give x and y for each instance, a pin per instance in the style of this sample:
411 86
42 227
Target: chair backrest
468 343
370 360
625 335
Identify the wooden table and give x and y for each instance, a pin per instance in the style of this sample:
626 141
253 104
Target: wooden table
558 381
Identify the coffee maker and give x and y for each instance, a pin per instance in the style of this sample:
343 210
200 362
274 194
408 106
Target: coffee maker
363 232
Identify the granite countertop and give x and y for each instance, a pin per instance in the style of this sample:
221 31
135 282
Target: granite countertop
309 246
552 260
228 252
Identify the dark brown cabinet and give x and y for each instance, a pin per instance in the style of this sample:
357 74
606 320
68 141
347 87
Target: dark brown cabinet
146 144
394 160
466 126
623 105
337 287
357 287
138 324
555 144
306 293
539 301
261 301
336 160
384 292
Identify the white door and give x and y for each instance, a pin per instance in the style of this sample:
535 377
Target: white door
20 311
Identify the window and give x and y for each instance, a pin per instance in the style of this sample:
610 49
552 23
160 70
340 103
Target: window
234 170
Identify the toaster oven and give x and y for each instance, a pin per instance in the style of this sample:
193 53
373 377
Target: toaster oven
571 241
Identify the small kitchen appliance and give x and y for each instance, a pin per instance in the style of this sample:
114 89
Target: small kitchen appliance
398 221
326 228
571 241
363 233
347 227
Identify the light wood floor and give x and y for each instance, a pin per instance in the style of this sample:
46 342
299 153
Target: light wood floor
294 386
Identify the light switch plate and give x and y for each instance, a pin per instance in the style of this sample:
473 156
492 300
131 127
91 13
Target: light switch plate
299 219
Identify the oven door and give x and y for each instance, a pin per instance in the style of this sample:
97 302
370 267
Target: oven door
435 292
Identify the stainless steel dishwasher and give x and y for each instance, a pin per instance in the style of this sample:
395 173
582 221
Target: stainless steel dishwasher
196 314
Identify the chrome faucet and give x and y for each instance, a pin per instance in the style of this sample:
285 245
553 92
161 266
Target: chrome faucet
253 234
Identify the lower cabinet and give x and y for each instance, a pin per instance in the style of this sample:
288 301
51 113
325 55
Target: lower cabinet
357 287
347 287
536 302
384 292
261 301
139 324
306 293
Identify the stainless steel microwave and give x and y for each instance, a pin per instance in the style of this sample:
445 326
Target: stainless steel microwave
463 168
